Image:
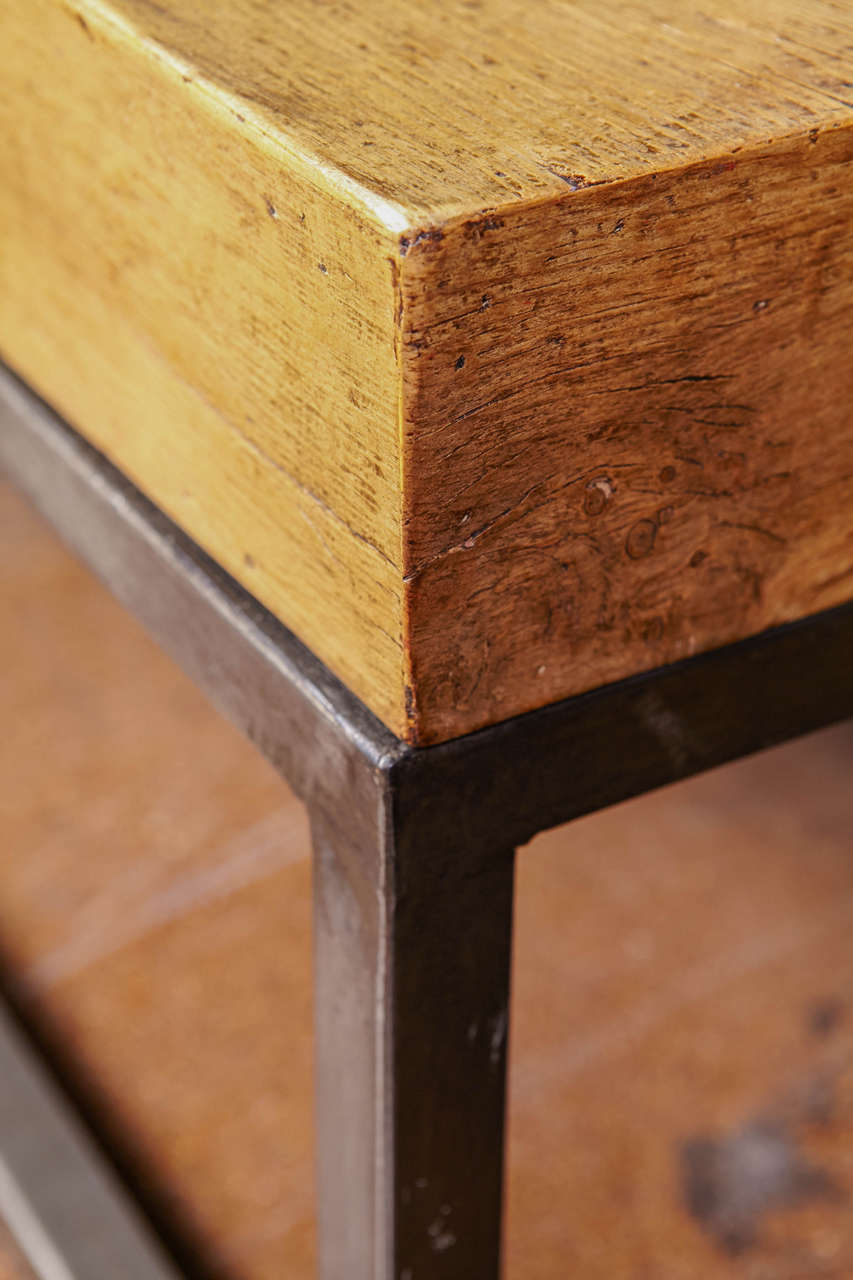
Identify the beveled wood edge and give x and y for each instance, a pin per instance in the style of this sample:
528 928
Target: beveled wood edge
65 1210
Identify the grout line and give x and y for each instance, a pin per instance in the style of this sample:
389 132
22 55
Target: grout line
259 851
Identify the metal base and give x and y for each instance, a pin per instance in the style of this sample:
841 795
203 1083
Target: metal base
414 848
58 1201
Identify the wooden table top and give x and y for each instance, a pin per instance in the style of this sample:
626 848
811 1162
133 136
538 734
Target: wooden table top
424 113
501 349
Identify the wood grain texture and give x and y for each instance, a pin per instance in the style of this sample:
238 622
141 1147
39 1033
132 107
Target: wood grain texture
429 112
188 297
646 450
501 350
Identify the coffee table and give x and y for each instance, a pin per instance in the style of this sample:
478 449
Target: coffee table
461 397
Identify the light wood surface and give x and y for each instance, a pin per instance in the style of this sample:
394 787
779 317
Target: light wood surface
683 972
213 317
500 349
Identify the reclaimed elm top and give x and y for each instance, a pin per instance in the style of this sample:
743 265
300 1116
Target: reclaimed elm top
493 345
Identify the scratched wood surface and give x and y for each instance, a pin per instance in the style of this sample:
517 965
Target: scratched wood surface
682 985
500 349
643 450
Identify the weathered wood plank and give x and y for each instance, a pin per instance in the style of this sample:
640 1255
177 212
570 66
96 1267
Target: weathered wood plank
213 316
628 427
500 350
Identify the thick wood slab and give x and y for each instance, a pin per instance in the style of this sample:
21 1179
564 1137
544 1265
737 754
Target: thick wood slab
501 350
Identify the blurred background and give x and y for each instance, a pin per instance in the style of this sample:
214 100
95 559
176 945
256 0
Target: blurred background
681 1062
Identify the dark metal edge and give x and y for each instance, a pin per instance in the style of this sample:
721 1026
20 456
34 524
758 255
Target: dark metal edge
596 749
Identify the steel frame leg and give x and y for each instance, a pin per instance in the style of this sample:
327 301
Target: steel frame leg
412 942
